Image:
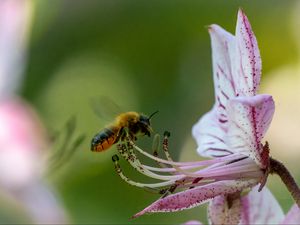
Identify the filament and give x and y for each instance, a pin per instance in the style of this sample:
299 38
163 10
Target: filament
129 156
177 175
137 184
198 163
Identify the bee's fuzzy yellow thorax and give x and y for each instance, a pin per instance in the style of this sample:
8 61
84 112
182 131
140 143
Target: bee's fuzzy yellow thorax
124 118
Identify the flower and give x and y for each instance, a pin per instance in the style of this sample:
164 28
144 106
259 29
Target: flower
23 138
22 141
230 133
15 21
254 208
19 142
240 117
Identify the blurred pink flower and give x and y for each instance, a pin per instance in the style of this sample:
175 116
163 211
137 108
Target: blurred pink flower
15 21
231 132
23 141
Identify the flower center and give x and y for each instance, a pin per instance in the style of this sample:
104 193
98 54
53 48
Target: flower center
171 175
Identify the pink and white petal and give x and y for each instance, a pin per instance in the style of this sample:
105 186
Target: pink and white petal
260 208
22 144
15 18
293 216
246 63
193 222
210 137
222 42
249 119
224 210
196 196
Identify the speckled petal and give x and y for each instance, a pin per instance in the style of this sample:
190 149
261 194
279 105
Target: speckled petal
260 208
223 210
210 137
246 62
249 119
293 216
196 196
222 44
209 132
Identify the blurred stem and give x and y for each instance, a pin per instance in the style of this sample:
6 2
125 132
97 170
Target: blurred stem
279 169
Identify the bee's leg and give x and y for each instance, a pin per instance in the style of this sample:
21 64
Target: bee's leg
132 136
126 135
119 135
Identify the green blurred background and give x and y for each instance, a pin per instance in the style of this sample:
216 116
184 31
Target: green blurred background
146 56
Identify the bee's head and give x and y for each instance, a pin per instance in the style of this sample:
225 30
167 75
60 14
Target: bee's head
145 122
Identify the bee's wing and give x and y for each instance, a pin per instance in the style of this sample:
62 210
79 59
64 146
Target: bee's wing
105 107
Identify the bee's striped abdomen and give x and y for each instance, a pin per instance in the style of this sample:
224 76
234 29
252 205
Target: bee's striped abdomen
103 140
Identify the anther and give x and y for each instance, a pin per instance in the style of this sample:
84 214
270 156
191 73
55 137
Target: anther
115 158
167 134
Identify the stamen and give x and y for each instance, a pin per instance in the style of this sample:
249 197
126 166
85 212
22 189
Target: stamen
168 156
231 167
170 169
216 170
129 156
151 186
155 149
198 163
193 185
155 144
254 174
238 167
225 161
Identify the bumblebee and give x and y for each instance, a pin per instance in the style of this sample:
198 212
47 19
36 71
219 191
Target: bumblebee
130 123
